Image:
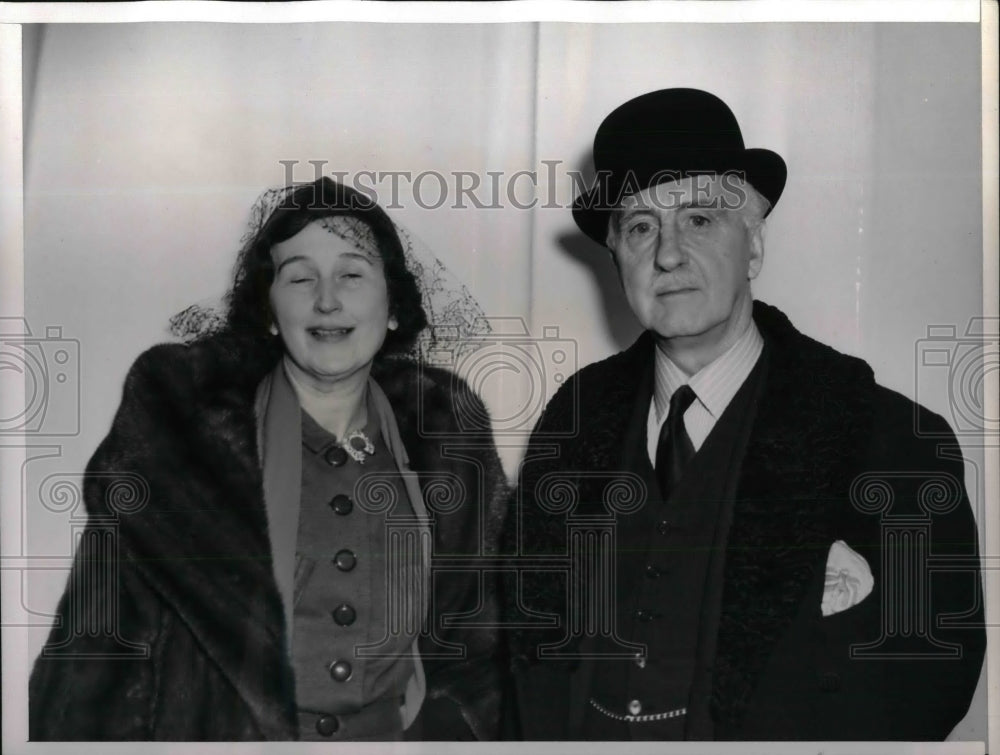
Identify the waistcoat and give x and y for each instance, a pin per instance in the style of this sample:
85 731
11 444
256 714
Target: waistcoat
670 557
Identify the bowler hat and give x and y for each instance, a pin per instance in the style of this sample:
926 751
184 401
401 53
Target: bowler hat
667 135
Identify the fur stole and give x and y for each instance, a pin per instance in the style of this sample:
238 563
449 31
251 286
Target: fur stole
186 425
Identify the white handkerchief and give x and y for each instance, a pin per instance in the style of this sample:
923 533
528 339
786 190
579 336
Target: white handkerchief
848 579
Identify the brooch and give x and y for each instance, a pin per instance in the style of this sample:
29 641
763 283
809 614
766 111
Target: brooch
358 446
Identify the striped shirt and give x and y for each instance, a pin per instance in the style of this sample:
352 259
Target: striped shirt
715 384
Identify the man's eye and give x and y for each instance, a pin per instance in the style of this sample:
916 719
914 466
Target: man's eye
640 229
699 221
302 279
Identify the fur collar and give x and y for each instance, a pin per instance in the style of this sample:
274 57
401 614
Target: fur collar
815 413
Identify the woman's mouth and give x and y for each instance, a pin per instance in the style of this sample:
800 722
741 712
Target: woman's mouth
329 334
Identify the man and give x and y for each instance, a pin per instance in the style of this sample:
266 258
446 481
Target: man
768 573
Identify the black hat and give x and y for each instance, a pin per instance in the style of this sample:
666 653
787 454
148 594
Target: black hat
668 135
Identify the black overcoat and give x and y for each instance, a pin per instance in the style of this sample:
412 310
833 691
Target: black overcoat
831 456
179 482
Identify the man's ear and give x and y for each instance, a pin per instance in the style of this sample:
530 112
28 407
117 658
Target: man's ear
756 244
614 261
609 240
609 245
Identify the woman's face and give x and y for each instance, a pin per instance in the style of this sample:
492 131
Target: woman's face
331 304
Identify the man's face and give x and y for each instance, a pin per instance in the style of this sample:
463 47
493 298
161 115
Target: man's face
686 260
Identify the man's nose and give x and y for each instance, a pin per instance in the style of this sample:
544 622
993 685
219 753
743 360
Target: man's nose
668 249
327 296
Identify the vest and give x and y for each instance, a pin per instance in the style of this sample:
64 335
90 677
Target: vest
670 556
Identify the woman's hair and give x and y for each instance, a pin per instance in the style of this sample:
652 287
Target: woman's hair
248 307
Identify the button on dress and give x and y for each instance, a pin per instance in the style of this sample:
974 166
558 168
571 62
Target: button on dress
349 594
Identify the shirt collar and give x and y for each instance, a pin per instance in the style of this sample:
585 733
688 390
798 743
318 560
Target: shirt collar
716 383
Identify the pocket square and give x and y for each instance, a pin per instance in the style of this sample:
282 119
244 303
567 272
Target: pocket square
848 579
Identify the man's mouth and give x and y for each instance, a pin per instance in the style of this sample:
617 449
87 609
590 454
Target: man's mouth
672 291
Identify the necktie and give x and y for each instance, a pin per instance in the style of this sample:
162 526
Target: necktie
674 449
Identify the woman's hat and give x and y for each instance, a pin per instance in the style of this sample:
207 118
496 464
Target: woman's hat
667 135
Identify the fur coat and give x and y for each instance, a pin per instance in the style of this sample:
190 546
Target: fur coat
186 641
782 670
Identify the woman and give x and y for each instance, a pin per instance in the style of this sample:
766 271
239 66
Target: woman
276 582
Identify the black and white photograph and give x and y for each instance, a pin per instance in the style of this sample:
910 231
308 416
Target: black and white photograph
627 375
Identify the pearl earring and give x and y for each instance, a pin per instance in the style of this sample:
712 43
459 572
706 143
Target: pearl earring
393 323
274 329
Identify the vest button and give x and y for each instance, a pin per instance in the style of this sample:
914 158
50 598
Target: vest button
640 661
344 615
634 707
664 527
829 682
341 504
345 560
340 671
335 456
327 725
652 572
